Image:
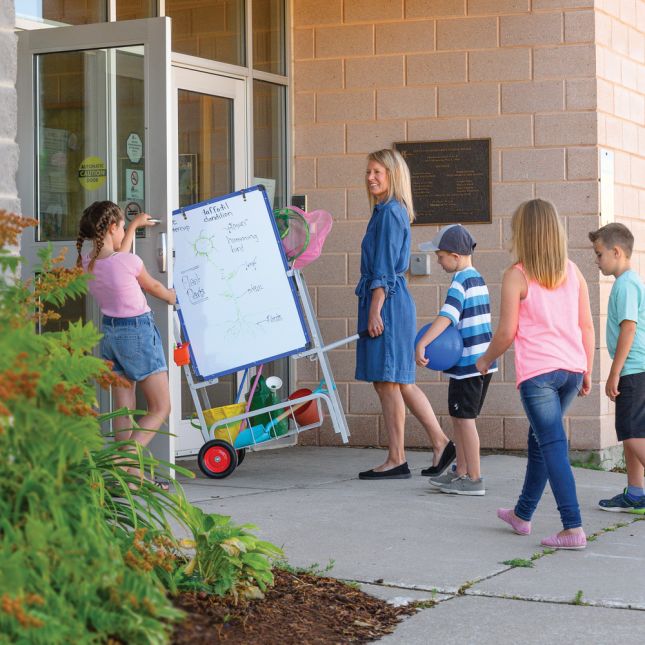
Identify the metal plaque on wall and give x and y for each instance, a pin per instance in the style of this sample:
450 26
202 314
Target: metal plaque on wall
451 180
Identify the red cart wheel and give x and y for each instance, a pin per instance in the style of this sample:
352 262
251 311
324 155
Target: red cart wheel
241 453
217 459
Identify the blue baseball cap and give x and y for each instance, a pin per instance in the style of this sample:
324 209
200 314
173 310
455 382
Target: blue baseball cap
453 238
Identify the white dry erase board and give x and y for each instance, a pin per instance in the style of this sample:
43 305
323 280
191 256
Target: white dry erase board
237 305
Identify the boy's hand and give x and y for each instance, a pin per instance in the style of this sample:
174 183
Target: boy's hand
586 384
611 386
420 355
172 297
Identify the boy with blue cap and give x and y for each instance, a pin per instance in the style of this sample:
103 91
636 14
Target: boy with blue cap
467 307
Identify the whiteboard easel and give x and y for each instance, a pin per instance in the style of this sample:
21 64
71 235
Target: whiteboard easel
239 303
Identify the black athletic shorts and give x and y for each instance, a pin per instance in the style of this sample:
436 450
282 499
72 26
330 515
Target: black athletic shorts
466 396
630 407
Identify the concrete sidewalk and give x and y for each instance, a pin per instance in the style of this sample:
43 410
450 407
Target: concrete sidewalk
404 541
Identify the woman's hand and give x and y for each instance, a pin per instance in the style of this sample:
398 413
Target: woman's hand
375 324
586 384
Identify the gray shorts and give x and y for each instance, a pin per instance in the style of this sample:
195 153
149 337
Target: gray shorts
630 407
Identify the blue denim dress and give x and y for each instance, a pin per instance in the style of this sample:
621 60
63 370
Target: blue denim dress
385 257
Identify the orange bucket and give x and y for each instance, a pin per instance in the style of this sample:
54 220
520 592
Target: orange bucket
307 414
181 354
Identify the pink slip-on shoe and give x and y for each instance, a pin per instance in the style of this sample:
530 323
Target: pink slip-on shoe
572 541
521 527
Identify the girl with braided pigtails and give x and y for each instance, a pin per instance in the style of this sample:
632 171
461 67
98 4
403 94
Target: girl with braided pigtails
131 340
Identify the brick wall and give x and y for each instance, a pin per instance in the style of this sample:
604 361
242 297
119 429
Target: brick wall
368 73
8 110
620 46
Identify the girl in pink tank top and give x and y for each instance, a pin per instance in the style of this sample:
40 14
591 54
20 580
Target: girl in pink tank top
545 311
131 341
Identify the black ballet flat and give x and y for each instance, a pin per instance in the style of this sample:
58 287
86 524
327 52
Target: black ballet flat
447 457
399 472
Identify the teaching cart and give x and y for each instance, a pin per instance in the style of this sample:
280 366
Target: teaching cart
240 306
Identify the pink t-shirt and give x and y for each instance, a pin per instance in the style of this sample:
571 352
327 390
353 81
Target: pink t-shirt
548 336
115 285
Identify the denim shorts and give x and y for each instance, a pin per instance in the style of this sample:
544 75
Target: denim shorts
630 407
134 346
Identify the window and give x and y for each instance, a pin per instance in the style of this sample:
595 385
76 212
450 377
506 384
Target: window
133 9
57 12
268 36
212 29
269 139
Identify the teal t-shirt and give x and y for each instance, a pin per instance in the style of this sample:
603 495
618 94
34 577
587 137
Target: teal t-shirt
627 302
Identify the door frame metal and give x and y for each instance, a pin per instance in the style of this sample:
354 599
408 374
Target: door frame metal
212 84
154 35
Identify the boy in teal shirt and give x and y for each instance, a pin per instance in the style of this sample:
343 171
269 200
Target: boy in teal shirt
625 385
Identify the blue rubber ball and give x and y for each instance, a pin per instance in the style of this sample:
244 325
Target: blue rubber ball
444 351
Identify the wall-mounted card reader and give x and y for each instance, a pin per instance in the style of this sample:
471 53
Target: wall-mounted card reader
420 264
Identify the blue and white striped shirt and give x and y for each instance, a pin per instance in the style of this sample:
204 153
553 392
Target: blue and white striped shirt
467 307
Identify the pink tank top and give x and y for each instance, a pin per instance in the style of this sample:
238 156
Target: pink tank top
115 285
548 336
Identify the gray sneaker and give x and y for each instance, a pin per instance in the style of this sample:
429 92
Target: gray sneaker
464 485
443 480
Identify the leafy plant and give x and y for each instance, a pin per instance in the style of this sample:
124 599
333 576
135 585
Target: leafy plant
313 569
519 562
86 549
577 599
228 557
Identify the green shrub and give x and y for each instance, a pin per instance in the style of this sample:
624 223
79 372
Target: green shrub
83 556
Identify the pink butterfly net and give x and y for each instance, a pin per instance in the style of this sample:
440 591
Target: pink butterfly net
303 234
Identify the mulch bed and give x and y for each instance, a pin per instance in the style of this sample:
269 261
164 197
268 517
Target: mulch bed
300 609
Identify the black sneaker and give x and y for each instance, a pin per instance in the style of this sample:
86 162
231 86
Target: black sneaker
623 503
448 455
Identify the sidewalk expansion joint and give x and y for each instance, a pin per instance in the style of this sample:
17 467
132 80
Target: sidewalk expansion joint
577 600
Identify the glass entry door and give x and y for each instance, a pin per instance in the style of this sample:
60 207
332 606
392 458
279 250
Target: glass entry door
211 160
93 125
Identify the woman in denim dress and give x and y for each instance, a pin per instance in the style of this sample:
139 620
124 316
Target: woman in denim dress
386 309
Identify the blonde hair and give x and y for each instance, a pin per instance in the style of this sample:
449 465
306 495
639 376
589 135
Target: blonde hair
398 175
539 242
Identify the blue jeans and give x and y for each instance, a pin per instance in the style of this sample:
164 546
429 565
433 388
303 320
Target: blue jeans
546 398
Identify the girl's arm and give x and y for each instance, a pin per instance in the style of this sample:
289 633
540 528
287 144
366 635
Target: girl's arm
439 325
513 285
155 288
141 220
585 321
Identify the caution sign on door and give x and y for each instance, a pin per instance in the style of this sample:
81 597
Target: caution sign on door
92 173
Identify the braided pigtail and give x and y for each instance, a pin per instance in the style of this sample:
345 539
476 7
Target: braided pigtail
94 225
79 245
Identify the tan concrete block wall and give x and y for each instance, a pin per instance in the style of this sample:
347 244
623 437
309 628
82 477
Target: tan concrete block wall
524 73
620 69
8 110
